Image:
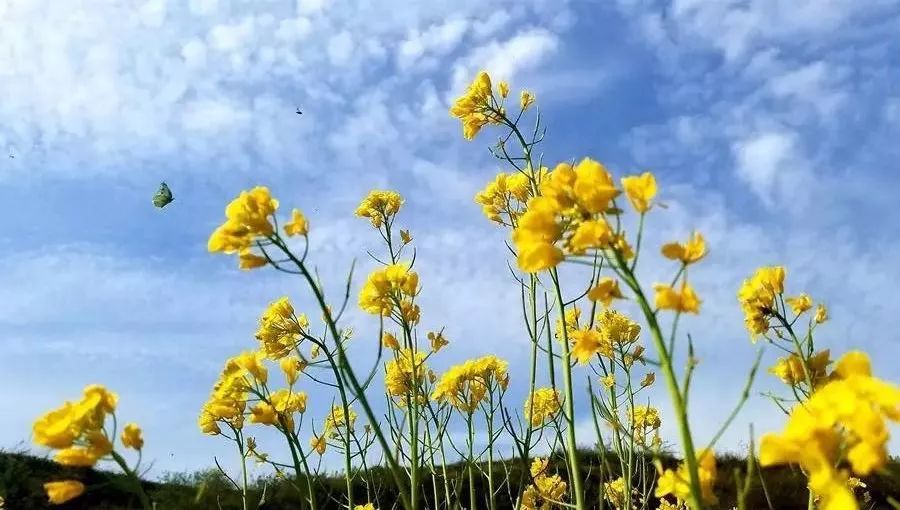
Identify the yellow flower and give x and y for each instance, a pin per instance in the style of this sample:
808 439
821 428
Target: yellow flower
390 341
640 190
609 381
437 340
474 107
62 491
526 99
545 489
688 253
465 386
247 218
387 285
757 297
132 436
367 506
615 491
62 427
594 188
280 329
605 291
252 362
338 419
799 304
586 343
505 195
542 405
404 375
264 414
503 87
405 236
291 366
248 260
685 301
298 224
286 401
379 206
318 444
677 483
536 235
790 369
821 314
844 418
590 234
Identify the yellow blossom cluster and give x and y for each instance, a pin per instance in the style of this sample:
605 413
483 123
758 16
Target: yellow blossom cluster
845 418
379 206
613 333
614 492
677 482
544 490
757 297
542 405
280 329
790 369
247 219
465 386
570 208
503 198
62 491
404 376
228 400
477 107
644 419
76 429
279 408
391 289
338 420
605 291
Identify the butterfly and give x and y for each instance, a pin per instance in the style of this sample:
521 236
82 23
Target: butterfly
163 196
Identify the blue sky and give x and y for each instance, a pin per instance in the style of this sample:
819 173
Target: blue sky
772 127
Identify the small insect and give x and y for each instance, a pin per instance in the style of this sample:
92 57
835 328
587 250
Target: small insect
163 196
299 112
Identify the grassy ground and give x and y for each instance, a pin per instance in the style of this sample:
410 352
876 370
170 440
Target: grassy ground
22 476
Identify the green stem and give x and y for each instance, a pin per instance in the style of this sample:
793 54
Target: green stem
681 416
471 466
139 488
571 448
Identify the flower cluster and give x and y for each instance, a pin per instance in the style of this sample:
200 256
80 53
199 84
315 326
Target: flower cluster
542 405
791 369
390 289
844 418
280 329
228 399
644 419
613 333
757 297
544 490
570 209
404 376
77 430
379 207
503 199
278 408
337 419
477 107
465 386
677 482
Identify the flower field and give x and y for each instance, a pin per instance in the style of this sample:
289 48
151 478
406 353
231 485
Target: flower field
565 220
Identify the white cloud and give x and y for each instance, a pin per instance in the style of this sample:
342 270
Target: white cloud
772 164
